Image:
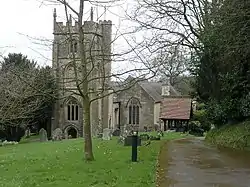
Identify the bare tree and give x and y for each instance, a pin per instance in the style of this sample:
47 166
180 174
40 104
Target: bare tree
173 63
87 72
172 23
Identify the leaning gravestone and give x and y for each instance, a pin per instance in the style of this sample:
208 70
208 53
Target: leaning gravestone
43 135
57 134
106 134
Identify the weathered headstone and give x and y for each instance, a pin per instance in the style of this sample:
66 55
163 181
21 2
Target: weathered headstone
27 133
57 134
43 135
106 134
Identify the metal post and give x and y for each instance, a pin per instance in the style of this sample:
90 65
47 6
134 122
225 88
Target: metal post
134 147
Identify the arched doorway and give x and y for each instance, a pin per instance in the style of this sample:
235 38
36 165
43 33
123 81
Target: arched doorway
71 132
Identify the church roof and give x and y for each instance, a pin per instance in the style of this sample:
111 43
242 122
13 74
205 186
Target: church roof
154 90
176 108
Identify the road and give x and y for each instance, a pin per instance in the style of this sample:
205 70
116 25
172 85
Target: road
192 163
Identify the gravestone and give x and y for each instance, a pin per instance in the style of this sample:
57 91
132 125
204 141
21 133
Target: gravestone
43 135
27 133
106 134
57 134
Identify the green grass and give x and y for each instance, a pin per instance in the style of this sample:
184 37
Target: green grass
233 136
32 138
61 164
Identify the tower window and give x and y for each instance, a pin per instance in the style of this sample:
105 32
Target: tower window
73 111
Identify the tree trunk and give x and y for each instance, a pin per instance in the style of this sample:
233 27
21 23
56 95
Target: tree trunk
88 152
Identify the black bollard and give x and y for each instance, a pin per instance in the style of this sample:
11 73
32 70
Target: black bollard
134 147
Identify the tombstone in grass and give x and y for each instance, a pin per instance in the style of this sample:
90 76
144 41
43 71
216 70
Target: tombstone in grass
27 133
106 134
43 135
57 135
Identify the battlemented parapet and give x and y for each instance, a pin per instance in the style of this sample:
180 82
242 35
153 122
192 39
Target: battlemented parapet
98 33
89 27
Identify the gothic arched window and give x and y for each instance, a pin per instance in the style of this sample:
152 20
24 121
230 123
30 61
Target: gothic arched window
72 111
133 111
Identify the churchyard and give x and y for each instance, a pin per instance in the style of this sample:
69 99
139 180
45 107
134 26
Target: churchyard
60 163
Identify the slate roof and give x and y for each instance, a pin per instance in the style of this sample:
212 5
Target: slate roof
154 90
176 108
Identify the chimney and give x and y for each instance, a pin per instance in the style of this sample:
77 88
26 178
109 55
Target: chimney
165 90
194 105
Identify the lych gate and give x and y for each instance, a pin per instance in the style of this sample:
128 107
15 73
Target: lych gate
176 112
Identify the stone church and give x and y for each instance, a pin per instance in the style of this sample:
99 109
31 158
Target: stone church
138 107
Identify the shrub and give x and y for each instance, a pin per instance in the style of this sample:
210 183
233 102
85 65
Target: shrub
200 119
234 136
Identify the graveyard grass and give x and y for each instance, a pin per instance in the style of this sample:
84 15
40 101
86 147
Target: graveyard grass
61 164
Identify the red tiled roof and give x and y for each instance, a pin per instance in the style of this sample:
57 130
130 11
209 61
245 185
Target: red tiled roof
175 108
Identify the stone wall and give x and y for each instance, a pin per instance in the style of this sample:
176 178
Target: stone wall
146 109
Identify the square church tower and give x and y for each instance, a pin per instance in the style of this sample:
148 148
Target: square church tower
68 113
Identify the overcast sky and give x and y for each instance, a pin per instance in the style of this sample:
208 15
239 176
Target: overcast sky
24 21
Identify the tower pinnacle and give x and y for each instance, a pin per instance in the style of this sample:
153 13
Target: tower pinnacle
91 14
54 14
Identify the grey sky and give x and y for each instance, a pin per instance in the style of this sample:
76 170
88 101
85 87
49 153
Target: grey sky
24 20
20 18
